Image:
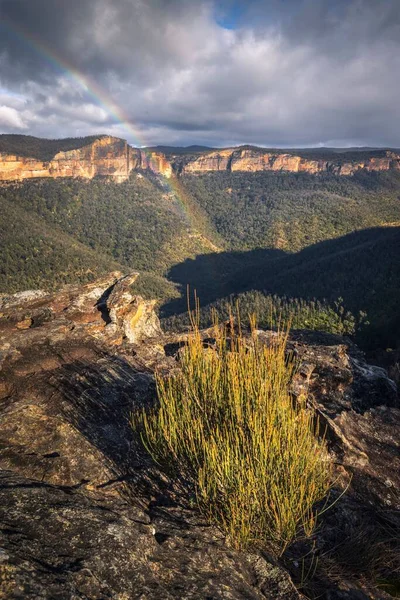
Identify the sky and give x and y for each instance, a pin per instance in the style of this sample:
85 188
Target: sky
276 73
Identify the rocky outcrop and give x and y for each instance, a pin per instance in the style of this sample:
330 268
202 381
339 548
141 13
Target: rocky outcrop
105 310
66 544
359 407
114 158
105 157
156 162
248 160
85 513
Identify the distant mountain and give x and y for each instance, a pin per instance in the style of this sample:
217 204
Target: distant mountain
179 150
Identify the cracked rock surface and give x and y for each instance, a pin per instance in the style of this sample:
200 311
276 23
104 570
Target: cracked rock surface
83 511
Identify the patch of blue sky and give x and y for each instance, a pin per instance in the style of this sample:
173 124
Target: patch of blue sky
228 14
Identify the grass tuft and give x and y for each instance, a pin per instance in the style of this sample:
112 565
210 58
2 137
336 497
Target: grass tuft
227 421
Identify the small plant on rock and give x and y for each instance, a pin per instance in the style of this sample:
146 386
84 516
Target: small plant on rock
229 424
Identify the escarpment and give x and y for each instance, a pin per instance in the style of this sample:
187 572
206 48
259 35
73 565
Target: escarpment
249 160
105 157
114 158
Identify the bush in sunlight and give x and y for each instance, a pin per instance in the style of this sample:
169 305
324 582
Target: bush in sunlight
227 421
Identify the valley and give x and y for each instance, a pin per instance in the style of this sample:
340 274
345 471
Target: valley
244 226
199 300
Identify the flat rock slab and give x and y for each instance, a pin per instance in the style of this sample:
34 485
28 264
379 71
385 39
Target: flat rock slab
57 543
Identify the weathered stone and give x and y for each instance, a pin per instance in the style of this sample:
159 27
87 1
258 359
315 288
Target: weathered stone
105 309
129 313
59 543
250 160
114 158
106 157
212 161
156 162
86 514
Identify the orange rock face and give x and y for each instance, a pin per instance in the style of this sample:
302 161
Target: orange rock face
252 160
114 158
156 162
106 156
214 161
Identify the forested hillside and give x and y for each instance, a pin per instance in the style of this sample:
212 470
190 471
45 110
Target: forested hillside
358 275
291 211
53 231
40 148
34 255
363 268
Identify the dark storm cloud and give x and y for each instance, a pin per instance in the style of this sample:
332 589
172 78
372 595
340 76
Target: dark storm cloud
273 72
51 22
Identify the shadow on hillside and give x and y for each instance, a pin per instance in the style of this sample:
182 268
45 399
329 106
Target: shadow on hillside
212 275
362 268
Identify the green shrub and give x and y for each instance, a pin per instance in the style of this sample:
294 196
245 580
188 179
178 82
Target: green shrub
227 422
272 309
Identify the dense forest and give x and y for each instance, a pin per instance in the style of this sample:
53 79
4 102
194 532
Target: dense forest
40 148
272 311
34 255
56 231
363 268
290 211
135 223
360 270
305 237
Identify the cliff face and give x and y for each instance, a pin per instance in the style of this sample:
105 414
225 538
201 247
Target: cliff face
156 162
252 160
214 161
112 157
107 156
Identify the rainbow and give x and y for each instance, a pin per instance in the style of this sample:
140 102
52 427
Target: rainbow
98 94
89 86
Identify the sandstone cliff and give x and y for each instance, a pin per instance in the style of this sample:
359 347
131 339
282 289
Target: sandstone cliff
243 159
106 156
113 157
156 162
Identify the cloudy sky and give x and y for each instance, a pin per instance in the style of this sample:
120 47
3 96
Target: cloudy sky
268 72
